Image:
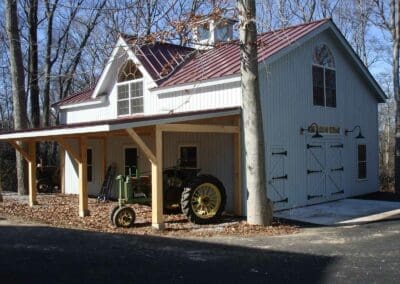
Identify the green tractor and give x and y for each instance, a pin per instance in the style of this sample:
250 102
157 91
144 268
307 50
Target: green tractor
200 197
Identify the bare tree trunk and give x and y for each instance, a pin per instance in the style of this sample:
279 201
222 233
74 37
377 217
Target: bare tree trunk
17 75
395 15
33 63
259 210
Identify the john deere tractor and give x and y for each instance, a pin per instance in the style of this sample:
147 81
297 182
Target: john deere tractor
200 197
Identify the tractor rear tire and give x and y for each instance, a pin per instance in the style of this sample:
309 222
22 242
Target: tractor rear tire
124 217
203 199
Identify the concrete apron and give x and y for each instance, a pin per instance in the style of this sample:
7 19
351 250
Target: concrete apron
342 212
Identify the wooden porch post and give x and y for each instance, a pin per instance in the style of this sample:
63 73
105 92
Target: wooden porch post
32 173
82 166
157 184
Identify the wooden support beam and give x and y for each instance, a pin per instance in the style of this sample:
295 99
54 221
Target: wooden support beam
82 168
32 173
200 128
157 184
67 147
142 145
20 150
62 169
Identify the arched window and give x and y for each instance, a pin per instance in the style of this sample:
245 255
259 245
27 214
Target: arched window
324 77
130 89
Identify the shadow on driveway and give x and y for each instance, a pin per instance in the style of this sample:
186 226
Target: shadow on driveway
54 255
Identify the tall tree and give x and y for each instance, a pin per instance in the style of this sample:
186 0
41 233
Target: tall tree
259 209
390 21
18 88
33 78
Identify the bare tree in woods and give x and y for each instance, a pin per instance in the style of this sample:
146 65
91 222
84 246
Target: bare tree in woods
66 82
33 78
389 19
17 76
259 208
303 9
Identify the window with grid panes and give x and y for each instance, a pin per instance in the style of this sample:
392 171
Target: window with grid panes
129 90
324 77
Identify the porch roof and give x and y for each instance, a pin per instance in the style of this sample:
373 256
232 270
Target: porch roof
116 124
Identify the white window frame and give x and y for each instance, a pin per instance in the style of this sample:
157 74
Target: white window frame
129 99
366 162
197 153
323 68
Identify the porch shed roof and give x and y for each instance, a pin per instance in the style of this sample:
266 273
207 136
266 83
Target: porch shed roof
116 124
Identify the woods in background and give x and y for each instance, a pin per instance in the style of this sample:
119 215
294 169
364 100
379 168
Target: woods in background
65 44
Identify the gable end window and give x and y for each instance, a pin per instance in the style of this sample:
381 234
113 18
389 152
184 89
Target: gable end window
129 90
324 77
362 161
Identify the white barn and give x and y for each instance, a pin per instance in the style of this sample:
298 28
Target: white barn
311 82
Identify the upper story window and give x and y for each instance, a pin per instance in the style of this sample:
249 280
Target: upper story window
129 90
324 77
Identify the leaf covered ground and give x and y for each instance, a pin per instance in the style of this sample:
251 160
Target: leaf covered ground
62 211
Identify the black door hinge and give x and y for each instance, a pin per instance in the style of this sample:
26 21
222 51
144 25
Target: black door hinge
341 169
284 153
313 146
314 196
313 171
281 177
337 146
286 200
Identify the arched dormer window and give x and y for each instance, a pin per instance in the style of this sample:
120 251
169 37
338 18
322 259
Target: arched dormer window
130 90
324 77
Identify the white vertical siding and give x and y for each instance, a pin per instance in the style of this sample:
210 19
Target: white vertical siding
214 157
287 106
202 98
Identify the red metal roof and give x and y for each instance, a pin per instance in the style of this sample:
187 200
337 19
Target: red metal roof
159 59
81 97
170 64
225 59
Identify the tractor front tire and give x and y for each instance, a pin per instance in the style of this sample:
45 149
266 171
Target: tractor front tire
203 199
112 213
124 217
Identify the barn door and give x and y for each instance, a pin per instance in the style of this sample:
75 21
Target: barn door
316 179
334 168
278 177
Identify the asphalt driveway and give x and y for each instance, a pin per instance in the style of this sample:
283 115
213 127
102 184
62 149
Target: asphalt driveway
347 254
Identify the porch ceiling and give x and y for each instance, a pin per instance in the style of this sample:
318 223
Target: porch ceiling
52 133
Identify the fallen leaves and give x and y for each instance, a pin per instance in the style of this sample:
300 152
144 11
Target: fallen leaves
62 211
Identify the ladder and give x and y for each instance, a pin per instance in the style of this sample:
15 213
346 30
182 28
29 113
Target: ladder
105 191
